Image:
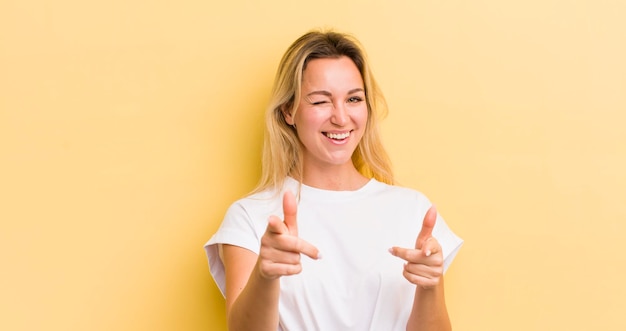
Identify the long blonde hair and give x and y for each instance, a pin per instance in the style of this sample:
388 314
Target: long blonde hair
282 150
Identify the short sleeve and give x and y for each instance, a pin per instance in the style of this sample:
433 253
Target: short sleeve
449 241
236 229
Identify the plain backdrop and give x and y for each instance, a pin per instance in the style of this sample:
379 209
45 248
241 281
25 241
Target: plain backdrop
128 127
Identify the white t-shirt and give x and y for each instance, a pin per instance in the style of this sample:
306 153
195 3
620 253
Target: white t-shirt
357 284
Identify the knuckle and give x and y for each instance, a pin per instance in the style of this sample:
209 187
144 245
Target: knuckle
429 283
293 258
293 269
438 260
297 245
433 283
266 271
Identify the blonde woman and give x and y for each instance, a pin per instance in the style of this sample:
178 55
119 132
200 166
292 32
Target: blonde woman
374 253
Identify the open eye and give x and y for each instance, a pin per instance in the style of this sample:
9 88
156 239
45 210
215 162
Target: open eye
355 99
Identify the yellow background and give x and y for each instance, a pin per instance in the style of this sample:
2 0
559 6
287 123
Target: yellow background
128 127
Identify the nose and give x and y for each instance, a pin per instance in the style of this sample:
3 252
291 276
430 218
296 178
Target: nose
339 115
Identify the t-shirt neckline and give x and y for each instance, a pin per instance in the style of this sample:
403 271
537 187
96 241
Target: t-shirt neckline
309 192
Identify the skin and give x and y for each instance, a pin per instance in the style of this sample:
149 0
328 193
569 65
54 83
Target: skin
333 104
333 101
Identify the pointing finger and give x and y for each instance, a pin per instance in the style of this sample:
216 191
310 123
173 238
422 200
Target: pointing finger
290 209
410 255
429 256
427 227
308 249
290 243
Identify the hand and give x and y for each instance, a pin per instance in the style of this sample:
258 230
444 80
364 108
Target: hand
424 265
280 245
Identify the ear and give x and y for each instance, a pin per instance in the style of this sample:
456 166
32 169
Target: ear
287 114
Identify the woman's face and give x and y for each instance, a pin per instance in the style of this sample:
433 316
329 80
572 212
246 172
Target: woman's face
331 117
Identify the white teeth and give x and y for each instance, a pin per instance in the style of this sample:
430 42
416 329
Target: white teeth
338 135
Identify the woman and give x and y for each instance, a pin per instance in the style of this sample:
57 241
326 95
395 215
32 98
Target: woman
327 188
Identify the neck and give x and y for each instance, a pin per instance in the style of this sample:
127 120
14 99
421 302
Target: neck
336 178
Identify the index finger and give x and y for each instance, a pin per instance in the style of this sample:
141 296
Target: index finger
290 210
427 227
308 249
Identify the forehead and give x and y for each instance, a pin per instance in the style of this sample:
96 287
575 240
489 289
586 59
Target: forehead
331 72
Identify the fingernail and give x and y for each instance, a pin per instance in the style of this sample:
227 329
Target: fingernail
391 251
319 255
428 253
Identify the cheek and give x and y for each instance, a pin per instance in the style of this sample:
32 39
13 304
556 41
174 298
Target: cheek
360 116
308 118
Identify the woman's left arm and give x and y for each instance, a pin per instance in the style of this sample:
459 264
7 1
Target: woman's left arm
429 310
424 268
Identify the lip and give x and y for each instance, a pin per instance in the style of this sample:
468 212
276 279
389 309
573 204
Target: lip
337 132
335 141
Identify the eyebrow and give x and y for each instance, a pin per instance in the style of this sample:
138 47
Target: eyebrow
326 93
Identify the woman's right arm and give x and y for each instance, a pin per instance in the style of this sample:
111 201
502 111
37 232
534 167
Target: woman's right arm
251 300
253 282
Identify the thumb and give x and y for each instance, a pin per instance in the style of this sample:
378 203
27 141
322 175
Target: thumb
290 209
427 227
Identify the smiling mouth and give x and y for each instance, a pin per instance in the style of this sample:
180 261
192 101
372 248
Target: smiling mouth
337 136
